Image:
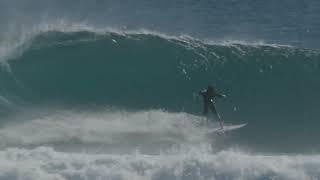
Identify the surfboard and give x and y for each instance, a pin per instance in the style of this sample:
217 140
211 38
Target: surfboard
226 128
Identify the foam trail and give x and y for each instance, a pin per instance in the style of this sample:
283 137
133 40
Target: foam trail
120 128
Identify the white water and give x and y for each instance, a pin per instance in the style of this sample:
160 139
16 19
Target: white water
114 144
46 163
121 130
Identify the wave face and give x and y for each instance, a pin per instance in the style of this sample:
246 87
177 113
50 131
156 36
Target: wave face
108 105
274 88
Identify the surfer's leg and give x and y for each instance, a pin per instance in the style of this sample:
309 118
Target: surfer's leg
214 111
205 111
205 108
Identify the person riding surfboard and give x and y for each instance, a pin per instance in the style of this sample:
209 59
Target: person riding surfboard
209 94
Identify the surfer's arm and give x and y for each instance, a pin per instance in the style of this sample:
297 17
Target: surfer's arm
220 95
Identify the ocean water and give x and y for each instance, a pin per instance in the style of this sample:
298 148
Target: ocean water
94 90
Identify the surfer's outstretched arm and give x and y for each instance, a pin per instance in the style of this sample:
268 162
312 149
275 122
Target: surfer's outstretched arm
220 95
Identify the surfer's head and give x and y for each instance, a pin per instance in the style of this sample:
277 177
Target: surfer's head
210 88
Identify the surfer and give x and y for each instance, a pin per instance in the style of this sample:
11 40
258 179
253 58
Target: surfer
209 96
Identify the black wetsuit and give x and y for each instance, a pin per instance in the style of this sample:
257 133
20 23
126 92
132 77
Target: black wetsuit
209 96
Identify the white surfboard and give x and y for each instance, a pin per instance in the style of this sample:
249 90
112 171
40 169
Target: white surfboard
226 128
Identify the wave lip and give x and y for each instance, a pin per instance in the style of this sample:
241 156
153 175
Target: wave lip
16 43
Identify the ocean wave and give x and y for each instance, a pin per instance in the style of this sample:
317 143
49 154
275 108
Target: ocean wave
71 57
266 84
